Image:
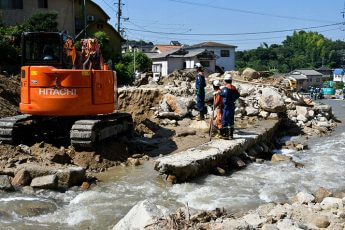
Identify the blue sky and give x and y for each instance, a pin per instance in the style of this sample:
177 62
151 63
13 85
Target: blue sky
225 16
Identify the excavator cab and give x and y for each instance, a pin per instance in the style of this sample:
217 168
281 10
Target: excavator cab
45 49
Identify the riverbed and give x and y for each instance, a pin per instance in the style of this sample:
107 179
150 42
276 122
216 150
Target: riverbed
122 187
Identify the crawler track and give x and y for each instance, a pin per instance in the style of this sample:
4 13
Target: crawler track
84 132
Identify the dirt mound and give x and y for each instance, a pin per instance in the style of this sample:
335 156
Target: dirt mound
9 95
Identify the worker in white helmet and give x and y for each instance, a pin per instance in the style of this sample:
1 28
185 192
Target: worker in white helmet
218 103
200 85
229 96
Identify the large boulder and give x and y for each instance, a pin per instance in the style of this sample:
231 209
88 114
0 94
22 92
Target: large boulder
272 101
302 110
141 215
304 198
280 157
251 111
177 105
45 182
332 203
69 177
22 178
321 194
5 183
250 74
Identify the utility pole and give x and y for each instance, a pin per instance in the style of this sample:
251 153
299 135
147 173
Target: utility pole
85 21
134 47
119 14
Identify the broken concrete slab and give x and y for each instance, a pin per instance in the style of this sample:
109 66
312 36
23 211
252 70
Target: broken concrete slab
45 182
194 162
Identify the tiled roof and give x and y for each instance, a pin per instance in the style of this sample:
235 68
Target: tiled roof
308 72
164 48
211 44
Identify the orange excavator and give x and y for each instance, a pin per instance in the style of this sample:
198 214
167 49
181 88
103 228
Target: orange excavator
62 89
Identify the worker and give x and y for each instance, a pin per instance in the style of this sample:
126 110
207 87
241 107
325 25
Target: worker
218 103
311 92
200 85
229 95
316 93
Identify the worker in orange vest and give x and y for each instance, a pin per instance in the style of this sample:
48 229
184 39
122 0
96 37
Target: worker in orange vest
218 103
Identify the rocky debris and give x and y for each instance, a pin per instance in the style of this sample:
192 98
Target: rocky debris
237 162
332 203
201 125
142 215
185 133
250 74
304 198
5 183
59 157
9 95
45 182
133 162
322 193
85 185
177 105
272 216
22 178
280 157
24 149
321 222
66 177
69 177
272 101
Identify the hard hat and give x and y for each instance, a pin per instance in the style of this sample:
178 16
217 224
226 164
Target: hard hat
198 65
227 77
216 83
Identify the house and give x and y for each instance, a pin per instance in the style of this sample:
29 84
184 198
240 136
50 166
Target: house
338 75
166 62
70 16
138 48
327 73
306 78
225 53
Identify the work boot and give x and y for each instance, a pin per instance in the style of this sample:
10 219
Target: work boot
201 116
224 132
231 133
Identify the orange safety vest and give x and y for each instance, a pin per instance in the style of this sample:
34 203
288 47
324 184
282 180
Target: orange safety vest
218 105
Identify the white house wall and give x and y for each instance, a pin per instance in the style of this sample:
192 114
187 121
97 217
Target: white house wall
174 64
228 63
164 67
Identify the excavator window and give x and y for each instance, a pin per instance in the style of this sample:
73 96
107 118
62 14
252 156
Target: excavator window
42 49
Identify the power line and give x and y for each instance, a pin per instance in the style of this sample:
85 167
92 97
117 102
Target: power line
232 34
245 11
238 41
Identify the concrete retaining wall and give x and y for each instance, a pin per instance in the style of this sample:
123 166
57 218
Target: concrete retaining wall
194 162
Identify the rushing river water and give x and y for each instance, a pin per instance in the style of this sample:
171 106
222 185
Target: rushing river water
102 206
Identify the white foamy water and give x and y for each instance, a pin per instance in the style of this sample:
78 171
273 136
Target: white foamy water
102 206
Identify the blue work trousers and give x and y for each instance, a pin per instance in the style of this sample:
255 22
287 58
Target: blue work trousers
228 118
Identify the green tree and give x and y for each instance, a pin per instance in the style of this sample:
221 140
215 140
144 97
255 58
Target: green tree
103 39
300 50
10 37
125 67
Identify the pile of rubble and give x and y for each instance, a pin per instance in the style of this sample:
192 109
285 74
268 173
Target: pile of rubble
306 211
261 98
